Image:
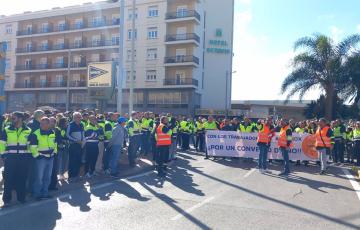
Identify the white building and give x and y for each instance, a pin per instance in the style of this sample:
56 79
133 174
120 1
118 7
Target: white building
183 54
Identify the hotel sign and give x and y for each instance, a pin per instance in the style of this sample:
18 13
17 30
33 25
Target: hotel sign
218 45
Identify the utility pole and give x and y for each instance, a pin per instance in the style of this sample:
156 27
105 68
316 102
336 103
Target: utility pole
3 48
120 70
132 73
68 82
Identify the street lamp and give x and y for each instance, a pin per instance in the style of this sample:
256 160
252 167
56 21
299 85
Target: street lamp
120 71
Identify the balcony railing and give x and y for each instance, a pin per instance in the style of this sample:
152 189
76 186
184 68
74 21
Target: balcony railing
183 81
181 59
47 84
182 37
52 66
76 45
183 14
69 27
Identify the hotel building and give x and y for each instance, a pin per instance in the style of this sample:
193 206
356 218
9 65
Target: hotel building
183 54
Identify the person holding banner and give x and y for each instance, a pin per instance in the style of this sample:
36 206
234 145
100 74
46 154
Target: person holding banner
324 143
210 124
266 133
285 143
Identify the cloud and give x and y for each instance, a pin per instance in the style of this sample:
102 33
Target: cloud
259 72
336 33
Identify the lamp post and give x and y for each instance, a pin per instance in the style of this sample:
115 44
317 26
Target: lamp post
120 71
132 73
68 82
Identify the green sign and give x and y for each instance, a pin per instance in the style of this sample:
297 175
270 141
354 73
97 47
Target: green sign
218 46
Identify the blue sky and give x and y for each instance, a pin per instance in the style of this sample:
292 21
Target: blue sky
265 31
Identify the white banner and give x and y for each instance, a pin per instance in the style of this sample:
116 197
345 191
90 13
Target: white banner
235 144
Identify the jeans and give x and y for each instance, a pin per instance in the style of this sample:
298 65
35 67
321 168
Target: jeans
134 144
161 158
285 154
15 174
106 157
116 151
173 149
75 155
92 153
338 151
264 149
145 142
63 160
42 176
323 158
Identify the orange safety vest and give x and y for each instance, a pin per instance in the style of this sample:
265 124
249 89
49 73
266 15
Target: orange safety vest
162 139
264 135
325 142
282 141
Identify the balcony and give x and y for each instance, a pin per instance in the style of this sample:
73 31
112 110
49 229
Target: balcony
183 15
182 39
65 47
47 66
181 60
181 82
69 27
47 84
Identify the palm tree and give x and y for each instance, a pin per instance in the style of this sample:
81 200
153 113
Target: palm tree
351 80
318 65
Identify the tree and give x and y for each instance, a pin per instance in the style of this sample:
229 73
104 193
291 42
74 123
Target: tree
350 81
316 109
318 65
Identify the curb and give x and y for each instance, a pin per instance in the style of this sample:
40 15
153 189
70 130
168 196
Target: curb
356 171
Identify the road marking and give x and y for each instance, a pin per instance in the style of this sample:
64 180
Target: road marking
189 210
249 173
353 182
137 176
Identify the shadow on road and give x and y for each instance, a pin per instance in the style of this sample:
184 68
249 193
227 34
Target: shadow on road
315 184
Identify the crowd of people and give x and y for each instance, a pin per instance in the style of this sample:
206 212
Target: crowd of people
39 149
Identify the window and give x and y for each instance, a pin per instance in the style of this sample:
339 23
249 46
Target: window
130 13
45 27
98 21
8 29
153 11
78 42
115 39
7 64
128 75
128 54
29 29
79 23
8 46
44 45
28 46
62 26
115 19
151 54
96 40
130 34
151 75
152 33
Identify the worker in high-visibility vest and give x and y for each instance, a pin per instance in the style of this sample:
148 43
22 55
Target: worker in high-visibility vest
14 150
163 143
324 143
356 135
146 127
285 143
265 134
339 131
134 130
43 148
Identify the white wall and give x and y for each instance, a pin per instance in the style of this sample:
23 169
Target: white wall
218 66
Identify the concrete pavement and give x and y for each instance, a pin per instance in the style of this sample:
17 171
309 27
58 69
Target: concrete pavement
201 194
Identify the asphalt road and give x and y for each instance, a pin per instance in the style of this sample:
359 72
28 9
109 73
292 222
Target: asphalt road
200 194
